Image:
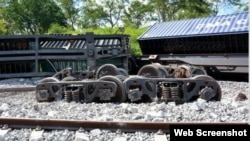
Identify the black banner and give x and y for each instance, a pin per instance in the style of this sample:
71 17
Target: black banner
209 131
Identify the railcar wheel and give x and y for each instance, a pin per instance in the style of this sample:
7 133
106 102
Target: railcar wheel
107 69
121 77
120 95
163 72
149 71
122 71
198 71
204 77
208 93
48 79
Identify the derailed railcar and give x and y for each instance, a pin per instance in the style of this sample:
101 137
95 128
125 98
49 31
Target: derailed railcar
215 45
44 55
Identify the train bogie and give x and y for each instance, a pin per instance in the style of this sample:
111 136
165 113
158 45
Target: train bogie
114 86
78 91
179 90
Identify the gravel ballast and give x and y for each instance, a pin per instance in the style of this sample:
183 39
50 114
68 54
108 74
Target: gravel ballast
24 105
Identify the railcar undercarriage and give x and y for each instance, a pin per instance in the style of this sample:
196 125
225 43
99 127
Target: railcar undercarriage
111 84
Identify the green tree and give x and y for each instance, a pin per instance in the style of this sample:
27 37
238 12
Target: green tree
92 14
71 11
102 13
32 16
137 13
2 27
193 9
2 21
165 9
168 10
114 10
56 28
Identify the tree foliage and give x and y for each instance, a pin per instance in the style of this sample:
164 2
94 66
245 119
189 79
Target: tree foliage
113 11
2 21
2 27
103 13
71 11
193 9
137 14
93 14
165 9
32 16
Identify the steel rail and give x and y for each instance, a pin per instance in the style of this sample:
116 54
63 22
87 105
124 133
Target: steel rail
124 126
17 89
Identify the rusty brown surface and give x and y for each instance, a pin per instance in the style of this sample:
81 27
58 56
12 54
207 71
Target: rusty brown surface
125 126
16 89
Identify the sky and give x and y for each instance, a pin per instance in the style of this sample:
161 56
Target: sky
229 10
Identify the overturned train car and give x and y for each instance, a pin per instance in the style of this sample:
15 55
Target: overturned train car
217 46
44 55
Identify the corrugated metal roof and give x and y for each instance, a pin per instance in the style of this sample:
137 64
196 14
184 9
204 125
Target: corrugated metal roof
224 24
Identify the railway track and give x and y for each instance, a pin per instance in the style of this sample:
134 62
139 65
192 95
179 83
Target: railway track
61 124
124 126
18 89
161 130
